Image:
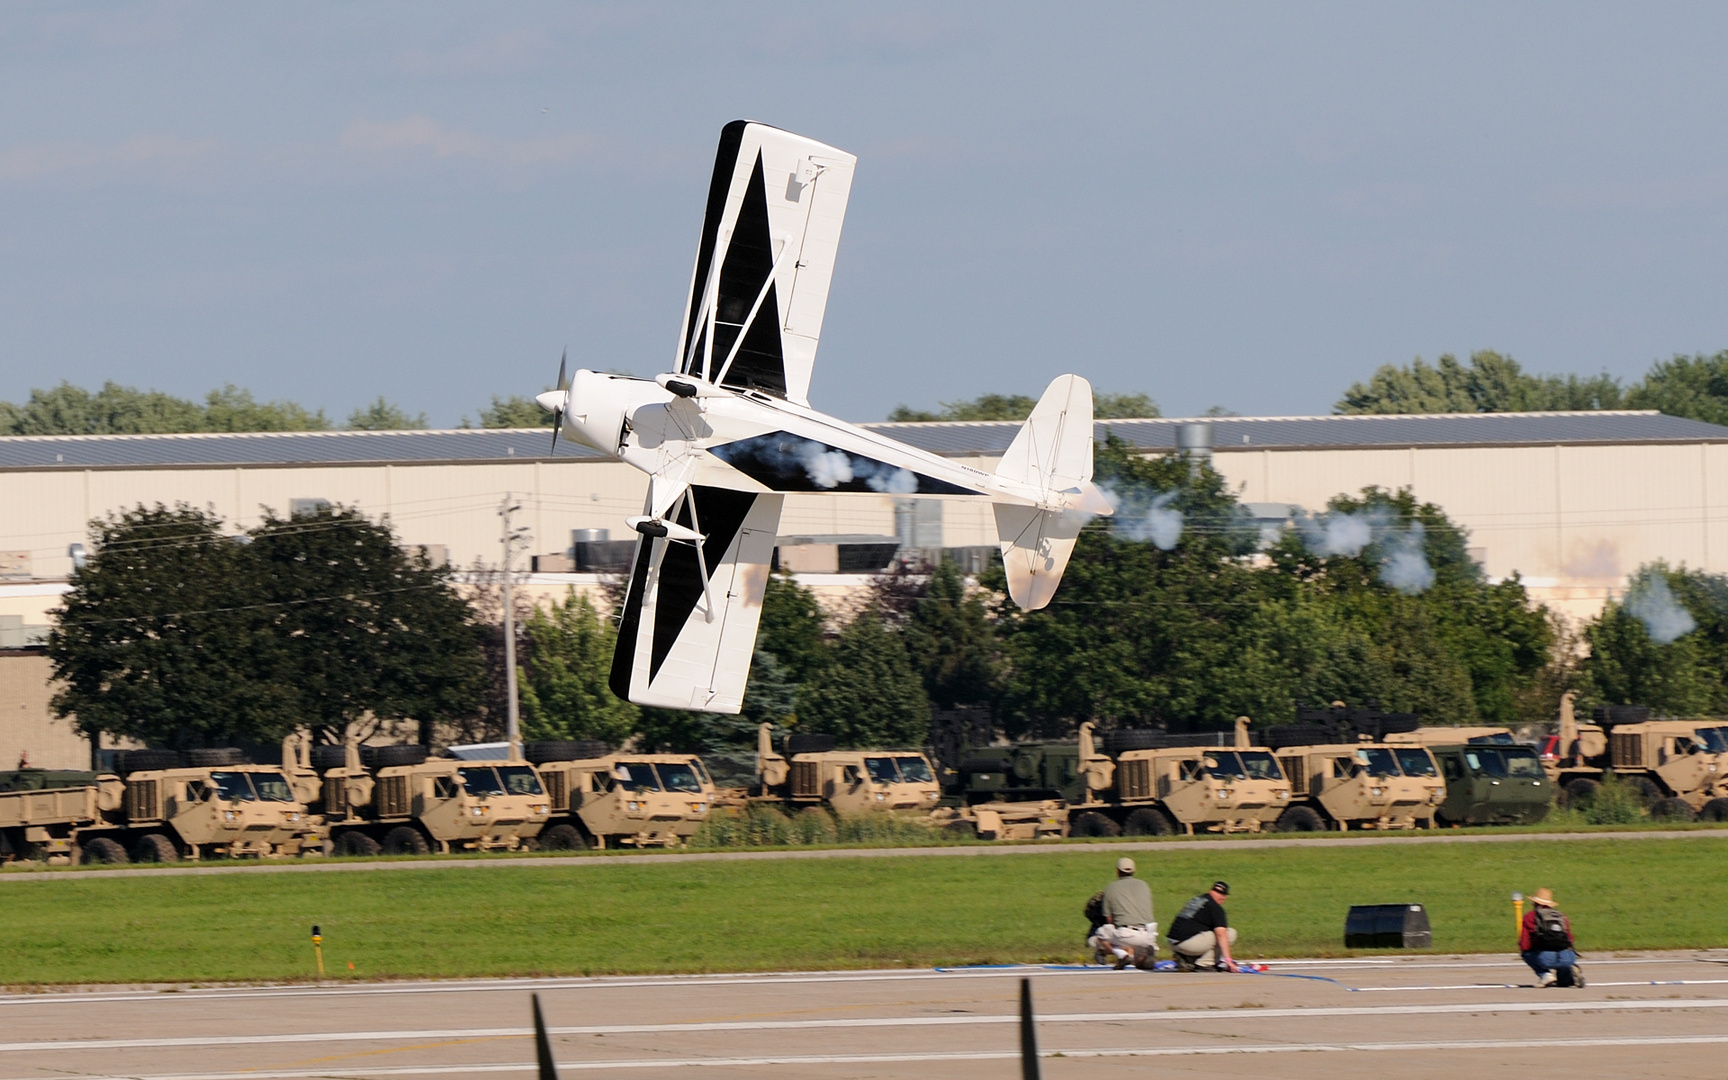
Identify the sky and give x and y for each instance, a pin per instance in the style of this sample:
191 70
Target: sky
1240 205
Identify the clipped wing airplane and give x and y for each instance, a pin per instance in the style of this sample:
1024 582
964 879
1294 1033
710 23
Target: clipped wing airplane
729 431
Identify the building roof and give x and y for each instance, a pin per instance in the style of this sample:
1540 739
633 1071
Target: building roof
956 438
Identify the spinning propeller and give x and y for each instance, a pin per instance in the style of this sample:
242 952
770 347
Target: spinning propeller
558 413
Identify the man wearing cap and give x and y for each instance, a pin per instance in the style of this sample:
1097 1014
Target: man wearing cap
1128 932
1201 930
1545 942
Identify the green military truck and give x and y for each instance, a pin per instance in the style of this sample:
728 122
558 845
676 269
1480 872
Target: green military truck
1491 778
160 806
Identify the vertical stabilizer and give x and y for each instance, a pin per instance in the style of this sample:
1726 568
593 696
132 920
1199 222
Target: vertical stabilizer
1050 460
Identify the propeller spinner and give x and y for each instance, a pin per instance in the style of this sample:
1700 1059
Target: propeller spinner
563 400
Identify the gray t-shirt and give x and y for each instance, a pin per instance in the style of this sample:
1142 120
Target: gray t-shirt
1128 902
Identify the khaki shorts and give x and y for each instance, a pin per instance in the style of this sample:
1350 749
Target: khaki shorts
1202 946
1124 937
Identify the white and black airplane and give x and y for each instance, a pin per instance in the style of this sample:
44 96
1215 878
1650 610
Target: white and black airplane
729 431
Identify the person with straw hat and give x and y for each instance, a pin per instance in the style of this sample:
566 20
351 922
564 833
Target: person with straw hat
1545 941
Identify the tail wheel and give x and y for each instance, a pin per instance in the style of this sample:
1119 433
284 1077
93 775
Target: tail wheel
154 847
405 840
1300 819
102 850
1090 823
1148 821
354 842
563 838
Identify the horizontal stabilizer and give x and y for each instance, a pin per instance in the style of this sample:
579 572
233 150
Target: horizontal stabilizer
1050 459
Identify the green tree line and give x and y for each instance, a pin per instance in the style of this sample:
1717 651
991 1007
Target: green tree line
1690 386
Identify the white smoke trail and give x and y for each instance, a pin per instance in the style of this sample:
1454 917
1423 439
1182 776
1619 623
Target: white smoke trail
1339 533
1145 520
1652 603
827 468
1403 559
1403 565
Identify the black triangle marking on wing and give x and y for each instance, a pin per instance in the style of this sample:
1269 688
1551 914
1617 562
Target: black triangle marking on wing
721 513
630 626
725 164
760 364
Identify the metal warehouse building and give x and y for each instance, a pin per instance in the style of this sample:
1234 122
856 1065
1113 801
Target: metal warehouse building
1571 501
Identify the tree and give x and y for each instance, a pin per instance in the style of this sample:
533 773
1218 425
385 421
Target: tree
514 412
568 656
175 632
868 696
1663 644
356 626
124 410
1019 407
1690 386
153 642
951 643
1490 383
769 698
793 628
383 415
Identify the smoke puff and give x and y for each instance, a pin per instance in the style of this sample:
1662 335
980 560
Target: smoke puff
898 482
1145 520
1340 534
1403 565
1652 603
827 468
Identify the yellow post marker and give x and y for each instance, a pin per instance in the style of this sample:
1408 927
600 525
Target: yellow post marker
318 949
1518 912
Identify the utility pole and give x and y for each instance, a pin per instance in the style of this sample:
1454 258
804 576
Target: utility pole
512 539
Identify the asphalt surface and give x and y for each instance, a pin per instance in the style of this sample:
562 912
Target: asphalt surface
37 872
1644 1015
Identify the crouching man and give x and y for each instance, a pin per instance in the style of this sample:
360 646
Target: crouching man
1545 941
1127 932
1201 935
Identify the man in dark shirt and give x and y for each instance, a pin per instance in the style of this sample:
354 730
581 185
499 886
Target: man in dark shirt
1202 930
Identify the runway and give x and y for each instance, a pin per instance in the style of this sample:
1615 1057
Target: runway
1650 1015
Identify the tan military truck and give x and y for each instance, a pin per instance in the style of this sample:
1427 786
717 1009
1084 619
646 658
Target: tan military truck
161 806
1157 784
400 801
813 774
1361 784
614 800
1679 768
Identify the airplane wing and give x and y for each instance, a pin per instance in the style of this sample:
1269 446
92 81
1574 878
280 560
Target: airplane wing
690 615
760 285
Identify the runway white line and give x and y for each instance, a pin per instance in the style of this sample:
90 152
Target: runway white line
1188 1015
1526 986
888 1059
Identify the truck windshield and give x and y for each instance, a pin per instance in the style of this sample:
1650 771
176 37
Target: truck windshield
915 769
679 777
480 781
1259 765
701 769
520 780
882 770
1499 738
1415 761
272 787
1376 761
1228 767
1522 763
639 776
233 787
1714 739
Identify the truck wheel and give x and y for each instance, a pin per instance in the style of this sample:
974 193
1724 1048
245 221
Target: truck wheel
1147 821
1672 810
354 842
1646 790
1580 791
1714 810
1300 819
154 847
965 830
105 851
403 840
1090 823
563 838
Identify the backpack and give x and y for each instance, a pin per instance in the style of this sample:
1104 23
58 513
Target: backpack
1550 933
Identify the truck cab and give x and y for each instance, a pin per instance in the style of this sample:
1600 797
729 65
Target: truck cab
847 781
626 800
1491 783
232 811
1368 785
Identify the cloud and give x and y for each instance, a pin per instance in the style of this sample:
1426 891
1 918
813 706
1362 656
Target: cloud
424 133
36 160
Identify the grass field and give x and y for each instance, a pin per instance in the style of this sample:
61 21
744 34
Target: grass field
636 916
